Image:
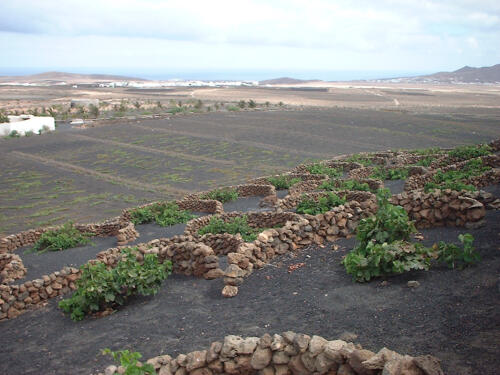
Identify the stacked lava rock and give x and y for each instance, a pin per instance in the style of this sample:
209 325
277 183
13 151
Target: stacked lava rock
290 353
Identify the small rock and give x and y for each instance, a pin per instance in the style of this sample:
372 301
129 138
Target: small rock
229 291
348 336
261 358
413 284
110 370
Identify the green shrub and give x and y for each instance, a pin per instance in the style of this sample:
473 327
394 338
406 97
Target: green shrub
233 226
99 288
221 195
283 181
242 104
322 205
375 259
129 361
333 185
14 134
469 152
389 224
427 161
363 160
383 248
252 104
163 214
456 179
29 133
3 117
175 110
232 108
382 173
456 256
60 239
319 168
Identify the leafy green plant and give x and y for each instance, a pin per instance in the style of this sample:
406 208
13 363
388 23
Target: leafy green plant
322 205
242 104
233 226
389 224
383 246
163 214
363 160
375 259
130 362
283 181
221 195
14 134
456 179
62 238
382 173
99 288
319 168
456 256
232 108
427 161
333 185
252 104
469 152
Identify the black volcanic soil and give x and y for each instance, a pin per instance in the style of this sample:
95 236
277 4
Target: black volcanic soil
452 314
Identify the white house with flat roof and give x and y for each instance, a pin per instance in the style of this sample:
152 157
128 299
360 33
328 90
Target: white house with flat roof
27 123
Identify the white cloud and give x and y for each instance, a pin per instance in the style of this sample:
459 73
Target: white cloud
387 33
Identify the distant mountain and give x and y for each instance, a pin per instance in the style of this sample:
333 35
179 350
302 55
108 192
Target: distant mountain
60 77
467 74
283 81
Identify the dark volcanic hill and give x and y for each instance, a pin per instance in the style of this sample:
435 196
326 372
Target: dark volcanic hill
59 77
467 74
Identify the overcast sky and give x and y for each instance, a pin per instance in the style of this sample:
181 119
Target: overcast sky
289 35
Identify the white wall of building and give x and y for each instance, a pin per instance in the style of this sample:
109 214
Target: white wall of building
26 123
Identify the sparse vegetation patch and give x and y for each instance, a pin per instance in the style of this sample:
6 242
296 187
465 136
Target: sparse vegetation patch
320 206
221 195
233 226
283 181
163 214
319 168
60 239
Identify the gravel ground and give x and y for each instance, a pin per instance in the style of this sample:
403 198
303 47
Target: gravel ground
453 314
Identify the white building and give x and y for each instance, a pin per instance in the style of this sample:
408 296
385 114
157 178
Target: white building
27 123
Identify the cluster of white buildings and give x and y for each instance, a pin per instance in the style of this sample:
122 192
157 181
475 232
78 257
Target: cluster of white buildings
27 123
177 83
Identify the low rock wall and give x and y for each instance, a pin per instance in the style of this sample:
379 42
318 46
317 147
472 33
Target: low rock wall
194 205
107 228
11 268
440 208
291 201
289 353
246 190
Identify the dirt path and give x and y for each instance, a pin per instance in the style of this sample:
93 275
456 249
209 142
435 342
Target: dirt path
102 176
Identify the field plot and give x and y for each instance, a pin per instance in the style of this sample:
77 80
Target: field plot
90 174
34 194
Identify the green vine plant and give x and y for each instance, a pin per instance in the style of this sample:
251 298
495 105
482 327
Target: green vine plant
100 288
62 238
337 184
382 173
283 181
323 204
319 168
221 195
234 226
163 214
130 362
456 256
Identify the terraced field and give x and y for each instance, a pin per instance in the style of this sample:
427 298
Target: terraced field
91 174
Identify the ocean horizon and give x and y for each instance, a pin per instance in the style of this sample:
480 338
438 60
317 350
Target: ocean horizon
229 74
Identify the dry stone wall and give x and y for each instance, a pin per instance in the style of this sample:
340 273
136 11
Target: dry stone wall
246 190
289 353
439 208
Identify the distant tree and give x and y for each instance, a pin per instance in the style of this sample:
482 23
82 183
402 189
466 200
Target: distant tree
267 104
94 110
242 104
280 104
198 104
3 117
137 105
251 104
123 105
52 112
159 105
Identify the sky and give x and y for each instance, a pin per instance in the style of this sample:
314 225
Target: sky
302 38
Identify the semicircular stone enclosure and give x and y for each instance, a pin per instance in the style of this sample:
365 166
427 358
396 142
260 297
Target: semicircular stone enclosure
425 195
